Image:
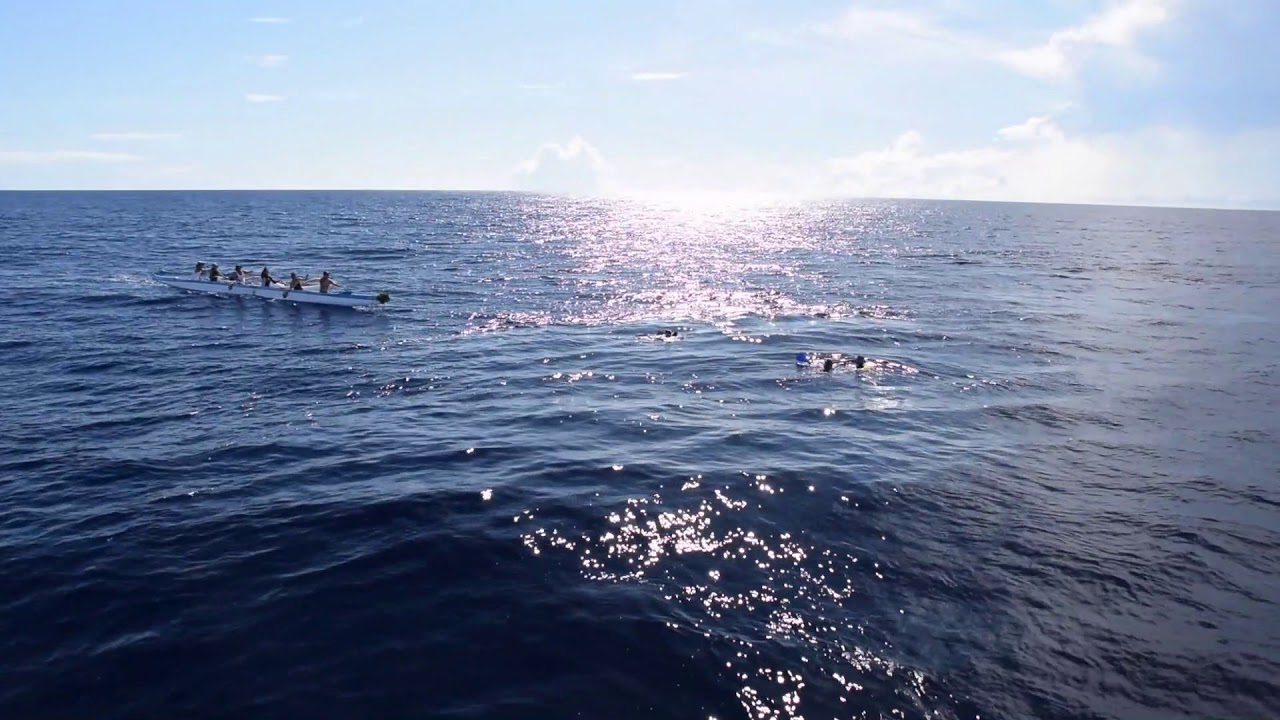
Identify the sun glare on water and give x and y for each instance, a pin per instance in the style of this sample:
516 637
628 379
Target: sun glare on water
711 259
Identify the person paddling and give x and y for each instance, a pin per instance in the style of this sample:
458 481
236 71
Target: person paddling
199 272
295 282
327 282
213 273
267 280
237 275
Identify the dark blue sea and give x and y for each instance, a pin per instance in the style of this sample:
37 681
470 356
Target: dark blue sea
1054 492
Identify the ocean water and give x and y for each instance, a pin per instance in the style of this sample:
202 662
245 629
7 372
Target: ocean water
1053 495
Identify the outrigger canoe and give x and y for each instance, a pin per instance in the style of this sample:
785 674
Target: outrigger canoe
345 298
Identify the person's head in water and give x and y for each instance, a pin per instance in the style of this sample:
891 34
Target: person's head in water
859 361
828 364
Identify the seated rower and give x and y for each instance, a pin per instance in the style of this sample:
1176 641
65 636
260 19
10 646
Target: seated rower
237 275
267 280
199 272
214 274
327 282
295 282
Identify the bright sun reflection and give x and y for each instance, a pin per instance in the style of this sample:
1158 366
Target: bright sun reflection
754 589
605 262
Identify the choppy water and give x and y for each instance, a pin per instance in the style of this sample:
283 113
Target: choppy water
1055 497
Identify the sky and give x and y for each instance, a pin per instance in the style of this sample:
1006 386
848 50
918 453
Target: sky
1154 102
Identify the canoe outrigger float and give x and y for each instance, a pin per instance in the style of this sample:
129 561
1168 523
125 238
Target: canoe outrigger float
345 298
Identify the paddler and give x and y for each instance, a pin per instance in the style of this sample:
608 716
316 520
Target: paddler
237 275
295 282
199 272
213 273
267 280
327 282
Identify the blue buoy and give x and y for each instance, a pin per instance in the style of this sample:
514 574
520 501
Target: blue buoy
802 359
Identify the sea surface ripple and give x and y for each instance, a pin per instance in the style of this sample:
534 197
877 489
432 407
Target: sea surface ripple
1054 494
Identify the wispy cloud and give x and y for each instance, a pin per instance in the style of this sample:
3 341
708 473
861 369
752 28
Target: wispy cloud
353 22
270 20
1039 161
1117 27
35 157
657 76
541 87
1040 127
261 98
904 36
135 136
860 22
271 60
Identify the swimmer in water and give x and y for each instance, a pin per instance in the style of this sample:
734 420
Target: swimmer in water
829 364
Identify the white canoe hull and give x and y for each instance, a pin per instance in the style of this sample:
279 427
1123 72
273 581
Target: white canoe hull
310 297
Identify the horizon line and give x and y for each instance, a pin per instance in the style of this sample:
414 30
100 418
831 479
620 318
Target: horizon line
572 196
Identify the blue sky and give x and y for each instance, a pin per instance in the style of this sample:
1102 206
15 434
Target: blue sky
1143 101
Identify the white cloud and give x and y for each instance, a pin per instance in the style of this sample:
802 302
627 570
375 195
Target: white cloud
260 98
1038 127
540 87
1116 27
271 60
574 168
904 35
860 22
135 136
270 20
1037 161
32 157
656 76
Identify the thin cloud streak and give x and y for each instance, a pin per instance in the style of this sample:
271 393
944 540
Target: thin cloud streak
541 87
34 157
656 76
1118 27
135 136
